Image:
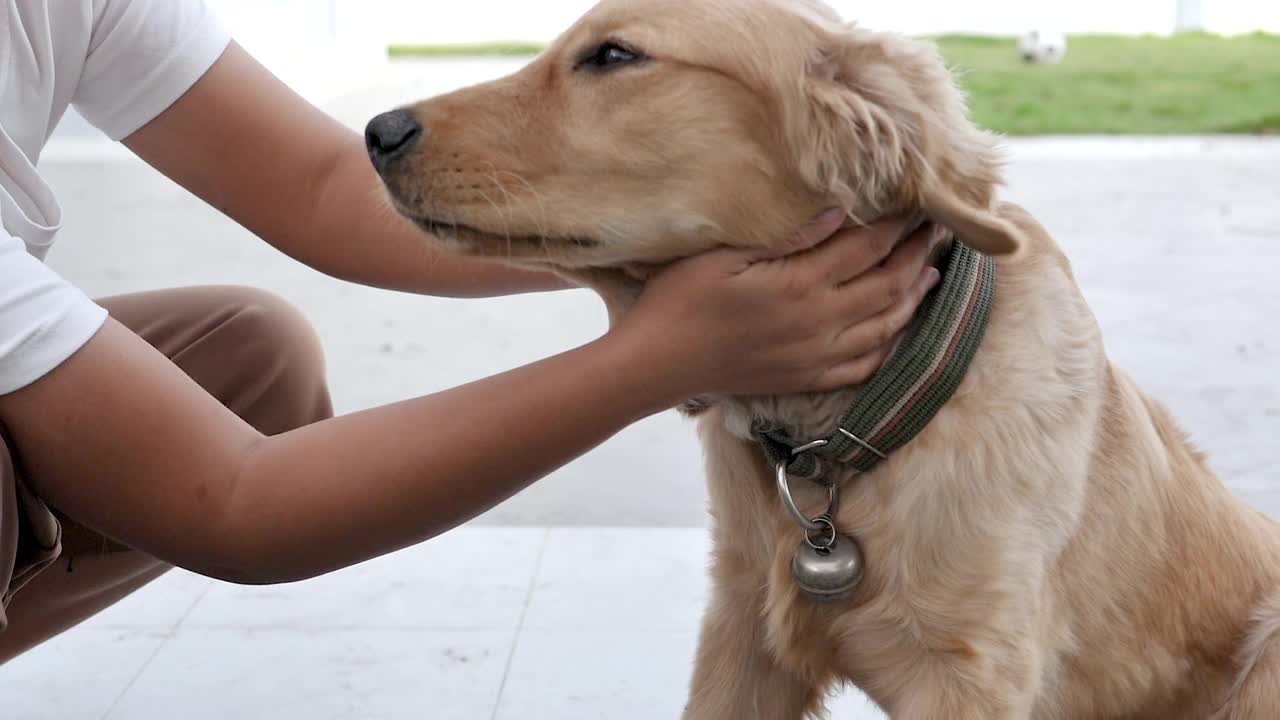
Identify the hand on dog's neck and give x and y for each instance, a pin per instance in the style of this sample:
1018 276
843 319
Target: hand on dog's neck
809 414
621 286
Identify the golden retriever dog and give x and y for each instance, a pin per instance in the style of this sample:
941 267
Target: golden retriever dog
1049 546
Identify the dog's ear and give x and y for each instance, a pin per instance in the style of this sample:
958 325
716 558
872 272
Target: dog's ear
884 130
976 224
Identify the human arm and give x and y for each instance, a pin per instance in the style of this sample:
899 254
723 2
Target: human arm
244 142
122 441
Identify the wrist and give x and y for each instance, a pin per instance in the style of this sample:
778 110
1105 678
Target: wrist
461 276
650 378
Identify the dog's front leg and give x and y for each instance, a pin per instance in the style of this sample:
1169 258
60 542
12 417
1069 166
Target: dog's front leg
960 684
963 707
735 676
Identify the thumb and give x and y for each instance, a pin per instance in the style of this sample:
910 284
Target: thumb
708 265
813 233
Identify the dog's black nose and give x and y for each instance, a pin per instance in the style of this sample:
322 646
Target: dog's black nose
391 135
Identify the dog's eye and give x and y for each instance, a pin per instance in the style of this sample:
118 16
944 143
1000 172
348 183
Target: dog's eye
609 56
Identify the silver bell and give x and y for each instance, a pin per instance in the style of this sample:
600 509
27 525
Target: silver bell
828 568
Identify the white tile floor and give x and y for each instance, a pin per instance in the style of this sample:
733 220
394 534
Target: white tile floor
483 623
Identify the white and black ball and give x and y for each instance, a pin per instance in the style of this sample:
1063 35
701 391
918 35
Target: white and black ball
1043 47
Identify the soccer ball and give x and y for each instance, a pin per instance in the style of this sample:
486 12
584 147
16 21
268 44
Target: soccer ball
1042 47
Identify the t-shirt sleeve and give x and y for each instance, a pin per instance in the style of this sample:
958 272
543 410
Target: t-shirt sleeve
143 56
43 318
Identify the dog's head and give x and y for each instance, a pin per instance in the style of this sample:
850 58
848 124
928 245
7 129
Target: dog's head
655 129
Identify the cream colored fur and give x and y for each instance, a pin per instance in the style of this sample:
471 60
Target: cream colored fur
1049 547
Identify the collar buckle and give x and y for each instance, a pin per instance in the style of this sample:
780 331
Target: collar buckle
861 443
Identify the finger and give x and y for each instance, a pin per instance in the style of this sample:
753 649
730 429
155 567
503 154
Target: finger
928 243
852 372
854 251
907 254
942 239
881 329
813 233
716 262
886 286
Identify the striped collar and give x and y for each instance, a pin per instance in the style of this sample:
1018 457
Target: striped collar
904 395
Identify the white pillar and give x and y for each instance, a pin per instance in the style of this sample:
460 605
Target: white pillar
1190 16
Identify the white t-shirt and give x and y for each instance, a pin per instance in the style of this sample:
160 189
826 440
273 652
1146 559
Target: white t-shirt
121 63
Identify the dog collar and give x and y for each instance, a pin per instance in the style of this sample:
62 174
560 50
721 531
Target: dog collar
905 394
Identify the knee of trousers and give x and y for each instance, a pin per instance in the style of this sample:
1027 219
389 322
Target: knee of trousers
277 361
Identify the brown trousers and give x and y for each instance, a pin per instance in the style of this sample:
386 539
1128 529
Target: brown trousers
249 349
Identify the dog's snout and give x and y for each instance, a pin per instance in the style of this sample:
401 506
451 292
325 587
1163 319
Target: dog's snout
391 135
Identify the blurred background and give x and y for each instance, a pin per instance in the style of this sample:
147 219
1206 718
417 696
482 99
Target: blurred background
1140 132
435 21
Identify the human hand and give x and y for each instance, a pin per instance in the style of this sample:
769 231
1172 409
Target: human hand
824 317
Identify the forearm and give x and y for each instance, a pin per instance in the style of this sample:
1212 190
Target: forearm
248 145
119 439
387 478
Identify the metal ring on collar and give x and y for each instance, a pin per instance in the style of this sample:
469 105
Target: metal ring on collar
826 536
809 446
789 503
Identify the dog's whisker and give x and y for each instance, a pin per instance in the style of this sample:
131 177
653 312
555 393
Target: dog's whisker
506 225
491 175
507 197
540 219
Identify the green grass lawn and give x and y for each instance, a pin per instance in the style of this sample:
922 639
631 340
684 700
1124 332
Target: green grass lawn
1185 84
1124 85
464 50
